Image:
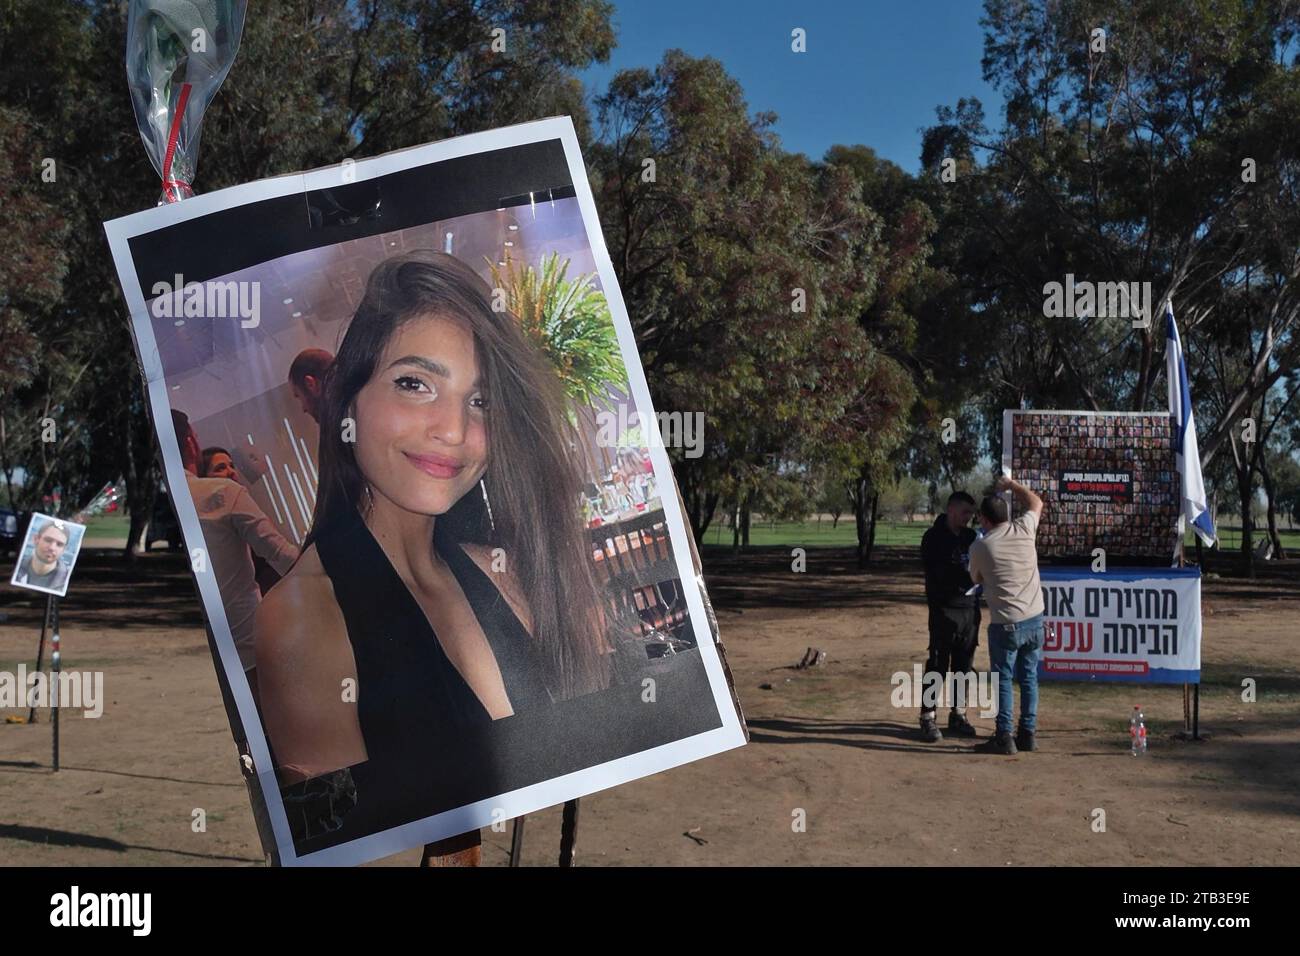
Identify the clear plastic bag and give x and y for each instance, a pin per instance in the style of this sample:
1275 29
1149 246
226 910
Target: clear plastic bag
178 52
105 501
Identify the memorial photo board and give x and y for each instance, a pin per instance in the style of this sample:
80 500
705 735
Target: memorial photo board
1108 479
443 590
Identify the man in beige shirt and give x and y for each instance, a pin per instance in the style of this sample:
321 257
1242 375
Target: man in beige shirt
234 529
1005 562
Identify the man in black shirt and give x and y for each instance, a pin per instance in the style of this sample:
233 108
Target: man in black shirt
954 614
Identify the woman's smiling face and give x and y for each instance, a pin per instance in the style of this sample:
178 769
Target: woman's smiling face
421 436
222 467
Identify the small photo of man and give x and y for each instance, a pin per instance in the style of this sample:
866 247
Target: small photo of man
48 553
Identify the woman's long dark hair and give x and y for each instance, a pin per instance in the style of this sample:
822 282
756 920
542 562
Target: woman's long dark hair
533 480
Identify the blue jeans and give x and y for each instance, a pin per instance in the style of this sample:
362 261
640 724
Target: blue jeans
1014 650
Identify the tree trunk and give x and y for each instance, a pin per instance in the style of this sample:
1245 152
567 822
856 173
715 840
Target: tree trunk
142 479
1245 487
691 503
4 464
1267 480
1143 390
735 528
710 509
700 505
871 533
858 493
744 521
141 499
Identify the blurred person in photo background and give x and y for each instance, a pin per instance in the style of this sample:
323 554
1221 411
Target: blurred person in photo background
307 379
234 529
219 463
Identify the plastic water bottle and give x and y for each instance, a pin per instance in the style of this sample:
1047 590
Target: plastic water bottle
1137 731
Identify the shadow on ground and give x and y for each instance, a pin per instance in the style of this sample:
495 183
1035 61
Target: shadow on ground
88 841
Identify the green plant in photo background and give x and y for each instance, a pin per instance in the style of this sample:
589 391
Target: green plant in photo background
569 320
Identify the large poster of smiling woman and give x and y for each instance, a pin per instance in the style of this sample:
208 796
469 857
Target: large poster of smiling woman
442 590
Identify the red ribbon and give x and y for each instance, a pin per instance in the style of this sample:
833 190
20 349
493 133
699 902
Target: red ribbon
168 182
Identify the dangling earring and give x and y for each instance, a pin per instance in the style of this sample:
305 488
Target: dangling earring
370 498
487 504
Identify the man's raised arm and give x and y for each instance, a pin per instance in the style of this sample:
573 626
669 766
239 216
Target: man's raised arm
1026 496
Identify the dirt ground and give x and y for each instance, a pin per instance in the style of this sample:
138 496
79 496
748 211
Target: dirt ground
826 741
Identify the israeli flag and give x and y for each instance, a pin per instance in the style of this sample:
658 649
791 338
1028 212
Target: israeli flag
1195 510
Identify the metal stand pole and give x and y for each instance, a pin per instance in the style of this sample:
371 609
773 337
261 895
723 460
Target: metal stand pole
55 663
517 841
40 655
569 834
1191 692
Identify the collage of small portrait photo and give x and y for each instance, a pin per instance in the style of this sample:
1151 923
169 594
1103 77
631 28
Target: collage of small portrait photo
1128 500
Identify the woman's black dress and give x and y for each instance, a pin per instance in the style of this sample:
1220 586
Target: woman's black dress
431 744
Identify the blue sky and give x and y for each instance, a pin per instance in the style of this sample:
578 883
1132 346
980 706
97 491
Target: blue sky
873 73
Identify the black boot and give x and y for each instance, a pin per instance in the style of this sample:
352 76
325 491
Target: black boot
1025 740
930 732
1000 743
959 725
